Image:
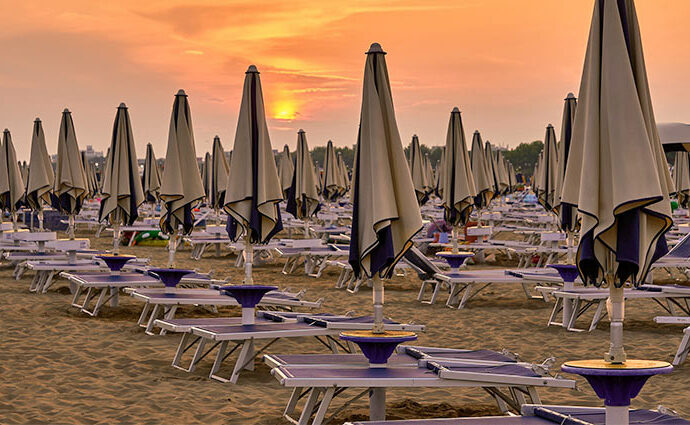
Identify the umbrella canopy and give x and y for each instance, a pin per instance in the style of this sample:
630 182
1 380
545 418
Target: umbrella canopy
122 191
480 173
151 178
70 186
385 212
502 172
439 173
303 197
11 184
345 178
458 183
418 171
490 158
219 175
567 216
548 171
675 136
181 186
617 174
206 175
429 171
253 187
537 172
286 169
91 188
333 186
681 177
40 178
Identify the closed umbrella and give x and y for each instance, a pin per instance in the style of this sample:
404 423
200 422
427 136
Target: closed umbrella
481 174
681 177
418 171
206 175
617 174
548 171
439 173
429 171
286 169
11 184
151 178
122 191
219 176
345 178
491 166
40 179
567 216
675 136
181 186
385 212
502 173
332 178
303 198
253 187
458 183
70 186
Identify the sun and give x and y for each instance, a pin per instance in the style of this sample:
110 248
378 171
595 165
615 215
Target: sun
284 111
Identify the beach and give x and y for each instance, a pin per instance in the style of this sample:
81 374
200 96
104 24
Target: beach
60 366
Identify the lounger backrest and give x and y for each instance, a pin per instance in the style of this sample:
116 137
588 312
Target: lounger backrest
424 267
681 250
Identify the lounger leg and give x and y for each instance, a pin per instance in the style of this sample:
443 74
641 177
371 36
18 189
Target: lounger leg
34 283
323 406
597 315
554 313
683 348
144 312
218 361
244 356
99 303
377 404
180 350
198 354
75 298
534 395
152 318
465 296
573 316
252 353
292 403
309 406
48 282
169 315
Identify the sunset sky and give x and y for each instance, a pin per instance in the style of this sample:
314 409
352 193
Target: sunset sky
507 64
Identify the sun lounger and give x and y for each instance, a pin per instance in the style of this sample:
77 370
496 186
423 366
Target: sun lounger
243 337
684 346
315 256
585 298
320 385
158 302
105 286
547 415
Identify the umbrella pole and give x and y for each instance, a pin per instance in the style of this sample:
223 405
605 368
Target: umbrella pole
455 240
70 227
248 258
306 228
172 246
15 226
40 221
615 307
377 294
116 232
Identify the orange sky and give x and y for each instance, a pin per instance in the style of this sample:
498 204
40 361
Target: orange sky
507 64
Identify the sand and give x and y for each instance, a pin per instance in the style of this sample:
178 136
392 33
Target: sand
59 366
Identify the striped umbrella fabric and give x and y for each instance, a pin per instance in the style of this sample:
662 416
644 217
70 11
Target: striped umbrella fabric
483 178
567 215
11 184
458 182
303 197
151 178
333 186
181 185
253 187
70 187
548 171
418 171
286 169
39 184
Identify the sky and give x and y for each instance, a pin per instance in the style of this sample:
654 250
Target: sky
506 64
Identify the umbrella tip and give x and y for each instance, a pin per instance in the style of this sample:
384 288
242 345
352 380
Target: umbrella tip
549 126
65 111
375 48
252 69
122 105
456 109
37 119
181 92
570 96
300 131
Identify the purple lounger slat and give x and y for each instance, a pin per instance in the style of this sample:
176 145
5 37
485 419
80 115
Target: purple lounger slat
508 369
253 328
344 359
503 420
374 373
108 278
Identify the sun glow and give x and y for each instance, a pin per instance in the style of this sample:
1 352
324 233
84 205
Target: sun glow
284 111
